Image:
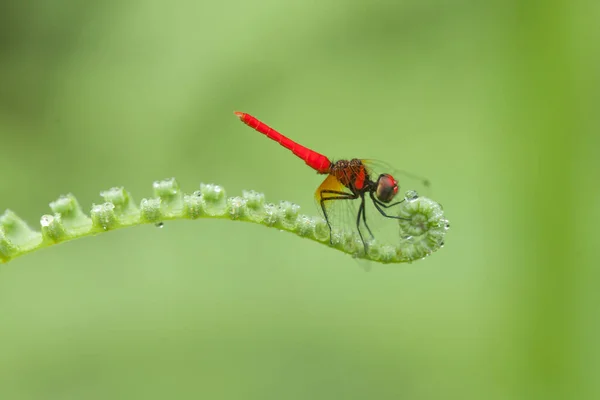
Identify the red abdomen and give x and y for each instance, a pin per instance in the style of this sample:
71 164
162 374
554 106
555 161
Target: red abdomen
316 161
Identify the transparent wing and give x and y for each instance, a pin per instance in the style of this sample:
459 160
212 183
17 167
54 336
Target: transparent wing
341 208
406 179
383 218
335 200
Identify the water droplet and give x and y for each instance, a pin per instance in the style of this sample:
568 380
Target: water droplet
159 225
46 220
411 195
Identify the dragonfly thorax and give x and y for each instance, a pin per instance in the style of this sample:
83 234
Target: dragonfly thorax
352 174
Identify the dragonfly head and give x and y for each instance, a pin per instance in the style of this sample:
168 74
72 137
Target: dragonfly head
387 187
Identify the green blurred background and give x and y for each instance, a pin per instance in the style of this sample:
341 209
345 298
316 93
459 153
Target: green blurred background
496 102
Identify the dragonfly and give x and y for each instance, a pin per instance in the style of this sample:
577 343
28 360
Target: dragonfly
347 180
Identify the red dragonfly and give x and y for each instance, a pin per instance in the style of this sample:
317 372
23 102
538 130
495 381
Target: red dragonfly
346 179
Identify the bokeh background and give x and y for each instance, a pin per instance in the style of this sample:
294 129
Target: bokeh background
496 102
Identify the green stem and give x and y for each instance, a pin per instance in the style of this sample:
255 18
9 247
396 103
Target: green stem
422 233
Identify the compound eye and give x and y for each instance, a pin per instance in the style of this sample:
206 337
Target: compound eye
387 187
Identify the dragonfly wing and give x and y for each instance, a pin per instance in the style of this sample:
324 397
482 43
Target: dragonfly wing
332 188
329 185
406 180
341 210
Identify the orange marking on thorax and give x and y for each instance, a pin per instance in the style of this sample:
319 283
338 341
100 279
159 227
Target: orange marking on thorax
359 180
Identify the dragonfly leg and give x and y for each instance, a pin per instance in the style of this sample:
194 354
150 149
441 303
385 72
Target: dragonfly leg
389 205
338 196
361 211
379 204
364 216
